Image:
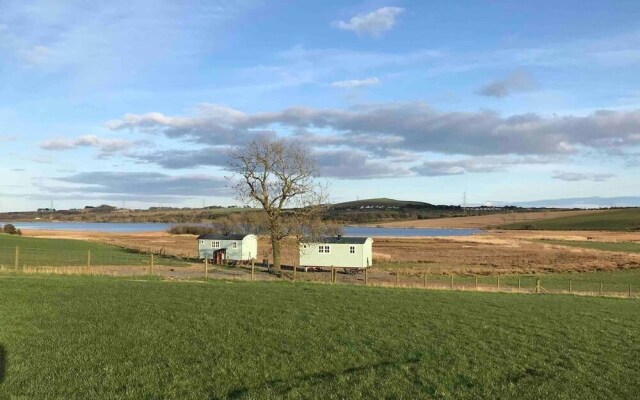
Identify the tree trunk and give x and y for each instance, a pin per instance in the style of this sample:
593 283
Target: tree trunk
275 247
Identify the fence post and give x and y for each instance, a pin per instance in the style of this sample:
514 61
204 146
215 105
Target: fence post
253 270
366 276
476 276
629 291
206 267
295 269
451 281
17 256
537 285
151 265
498 282
397 278
600 288
89 260
425 280
333 274
519 284
570 287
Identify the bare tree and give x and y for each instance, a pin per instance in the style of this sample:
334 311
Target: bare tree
280 176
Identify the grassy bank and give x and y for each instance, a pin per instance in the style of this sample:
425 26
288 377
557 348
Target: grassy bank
36 252
624 247
107 338
614 220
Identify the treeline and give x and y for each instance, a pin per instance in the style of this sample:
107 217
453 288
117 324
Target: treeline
256 223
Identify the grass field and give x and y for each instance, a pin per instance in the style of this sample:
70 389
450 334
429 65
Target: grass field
67 252
615 220
84 337
624 247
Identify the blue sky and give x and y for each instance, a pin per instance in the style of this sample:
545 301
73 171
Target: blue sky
136 102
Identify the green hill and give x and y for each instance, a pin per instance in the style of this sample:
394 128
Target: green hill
614 220
382 202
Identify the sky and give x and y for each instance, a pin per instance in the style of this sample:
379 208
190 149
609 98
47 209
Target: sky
135 103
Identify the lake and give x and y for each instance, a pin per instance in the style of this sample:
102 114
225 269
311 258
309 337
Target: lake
125 227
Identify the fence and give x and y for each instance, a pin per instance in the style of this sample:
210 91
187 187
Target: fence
124 262
42 260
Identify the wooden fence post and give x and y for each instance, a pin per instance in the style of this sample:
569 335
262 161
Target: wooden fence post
498 282
294 271
629 291
519 283
366 276
600 288
206 267
476 276
151 265
451 281
333 274
89 260
570 286
537 285
17 256
253 270
425 280
397 278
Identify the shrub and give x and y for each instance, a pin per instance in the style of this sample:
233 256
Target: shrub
11 230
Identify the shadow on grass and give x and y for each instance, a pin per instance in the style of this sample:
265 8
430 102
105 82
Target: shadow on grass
3 363
283 386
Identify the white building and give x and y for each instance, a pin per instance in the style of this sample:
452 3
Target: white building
343 252
219 248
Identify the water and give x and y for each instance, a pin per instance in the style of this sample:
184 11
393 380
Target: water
126 227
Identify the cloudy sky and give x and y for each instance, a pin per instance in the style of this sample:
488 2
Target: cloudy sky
136 101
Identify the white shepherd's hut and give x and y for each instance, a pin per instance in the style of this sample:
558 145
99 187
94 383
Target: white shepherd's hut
220 248
338 251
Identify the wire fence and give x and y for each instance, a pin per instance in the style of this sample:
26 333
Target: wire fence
19 258
123 261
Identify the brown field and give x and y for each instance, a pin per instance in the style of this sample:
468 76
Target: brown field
498 252
484 221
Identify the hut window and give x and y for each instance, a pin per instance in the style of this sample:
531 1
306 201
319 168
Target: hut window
324 249
235 245
352 249
215 244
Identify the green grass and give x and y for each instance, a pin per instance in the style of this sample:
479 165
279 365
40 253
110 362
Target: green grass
89 337
625 247
36 252
615 220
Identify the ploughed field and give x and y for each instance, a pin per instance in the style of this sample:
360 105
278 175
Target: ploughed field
96 337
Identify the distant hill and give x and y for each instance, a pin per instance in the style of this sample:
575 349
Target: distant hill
382 202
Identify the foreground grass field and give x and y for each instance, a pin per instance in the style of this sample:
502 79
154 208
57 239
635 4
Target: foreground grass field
89 337
615 220
66 252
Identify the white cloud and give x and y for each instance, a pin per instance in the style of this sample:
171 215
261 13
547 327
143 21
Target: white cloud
105 146
413 126
356 83
374 23
581 176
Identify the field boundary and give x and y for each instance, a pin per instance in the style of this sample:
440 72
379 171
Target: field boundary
331 277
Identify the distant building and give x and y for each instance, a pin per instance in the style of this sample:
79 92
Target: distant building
46 210
339 251
220 248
